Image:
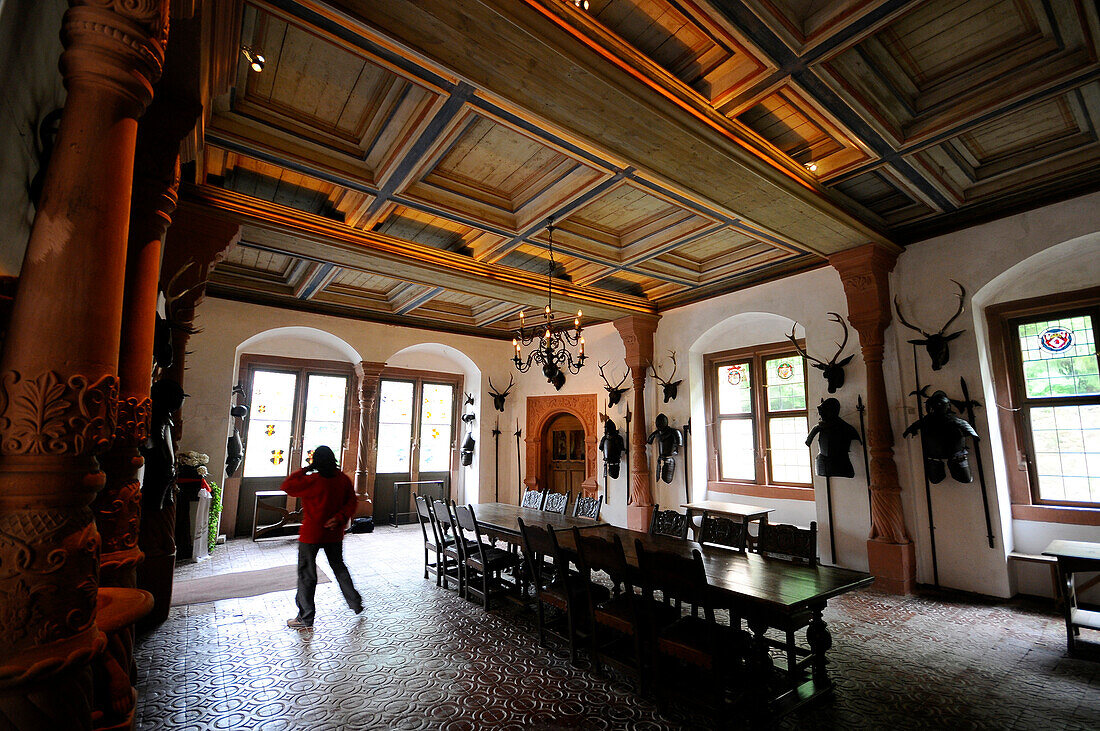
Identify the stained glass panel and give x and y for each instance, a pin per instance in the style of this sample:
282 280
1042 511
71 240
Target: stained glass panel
737 456
267 451
734 389
436 407
325 403
790 458
786 383
1059 358
395 410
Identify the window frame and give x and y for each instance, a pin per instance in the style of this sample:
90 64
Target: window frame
763 485
419 379
1013 416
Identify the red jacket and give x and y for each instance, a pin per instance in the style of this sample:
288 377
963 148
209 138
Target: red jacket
322 498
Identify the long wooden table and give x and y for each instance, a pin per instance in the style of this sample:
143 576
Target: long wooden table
500 519
765 592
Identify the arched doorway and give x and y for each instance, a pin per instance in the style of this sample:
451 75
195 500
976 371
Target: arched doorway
564 455
542 413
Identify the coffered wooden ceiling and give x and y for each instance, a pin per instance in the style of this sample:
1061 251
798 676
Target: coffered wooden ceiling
400 160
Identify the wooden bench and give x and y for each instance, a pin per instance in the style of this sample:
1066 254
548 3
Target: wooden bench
1050 561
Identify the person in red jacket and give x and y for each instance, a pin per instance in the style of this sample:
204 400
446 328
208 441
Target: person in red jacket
328 503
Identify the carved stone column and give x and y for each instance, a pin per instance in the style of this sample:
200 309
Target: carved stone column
636 332
368 437
865 272
58 382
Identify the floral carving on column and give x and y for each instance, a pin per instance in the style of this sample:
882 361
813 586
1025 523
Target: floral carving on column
368 438
540 411
636 332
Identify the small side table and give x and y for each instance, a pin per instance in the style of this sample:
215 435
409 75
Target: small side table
1074 557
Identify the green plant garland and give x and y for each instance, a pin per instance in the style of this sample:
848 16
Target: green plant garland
215 513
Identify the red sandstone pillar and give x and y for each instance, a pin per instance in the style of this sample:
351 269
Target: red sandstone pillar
368 440
865 273
636 332
58 383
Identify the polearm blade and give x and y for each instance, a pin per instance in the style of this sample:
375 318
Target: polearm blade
860 407
924 471
496 459
978 459
687 462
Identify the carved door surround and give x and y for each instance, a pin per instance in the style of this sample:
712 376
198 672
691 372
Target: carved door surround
541 410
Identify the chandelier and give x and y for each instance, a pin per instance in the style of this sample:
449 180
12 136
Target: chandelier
552 351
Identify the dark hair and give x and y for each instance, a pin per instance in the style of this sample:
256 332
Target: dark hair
324 461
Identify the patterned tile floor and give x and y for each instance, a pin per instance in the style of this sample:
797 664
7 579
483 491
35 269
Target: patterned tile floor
421 658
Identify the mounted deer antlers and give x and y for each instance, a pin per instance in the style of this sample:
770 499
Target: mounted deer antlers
936 343
614 393
500 396
668 386
833 371
162 332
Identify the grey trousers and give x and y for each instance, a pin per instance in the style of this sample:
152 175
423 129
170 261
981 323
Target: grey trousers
307 577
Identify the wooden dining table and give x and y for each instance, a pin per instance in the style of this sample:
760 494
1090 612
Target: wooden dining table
766 592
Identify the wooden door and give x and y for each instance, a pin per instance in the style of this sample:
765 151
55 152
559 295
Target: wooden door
565 454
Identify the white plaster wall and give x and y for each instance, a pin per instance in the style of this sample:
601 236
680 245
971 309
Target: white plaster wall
979 259
212 367
30 86
765 314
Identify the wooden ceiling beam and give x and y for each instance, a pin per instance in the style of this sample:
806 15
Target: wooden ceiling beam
320 239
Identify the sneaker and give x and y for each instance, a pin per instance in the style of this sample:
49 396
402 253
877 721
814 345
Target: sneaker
298 624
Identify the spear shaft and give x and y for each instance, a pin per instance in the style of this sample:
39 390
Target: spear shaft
496 460
978 459
924 471
860 407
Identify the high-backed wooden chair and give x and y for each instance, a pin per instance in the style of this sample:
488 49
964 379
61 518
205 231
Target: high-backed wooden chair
723 532
432 542
556 502
587 507
550 586
789 542
481 558
668 523
451 566
532 499
698 641
797 545
613 617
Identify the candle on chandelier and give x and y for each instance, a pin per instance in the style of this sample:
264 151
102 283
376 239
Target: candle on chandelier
582 347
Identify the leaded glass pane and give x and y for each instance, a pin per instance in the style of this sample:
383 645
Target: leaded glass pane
267 450
326 397
1067 452
786 383
790 457
734 389
437 403
1059 357
737 456
395 411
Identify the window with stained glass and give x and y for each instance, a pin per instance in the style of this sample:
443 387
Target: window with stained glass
756 401
1057 390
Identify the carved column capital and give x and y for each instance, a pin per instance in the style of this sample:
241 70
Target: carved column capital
636 332
865 274
115 44
49 414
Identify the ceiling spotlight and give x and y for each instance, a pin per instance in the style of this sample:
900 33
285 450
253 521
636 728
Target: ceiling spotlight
256 59
812 167
580 4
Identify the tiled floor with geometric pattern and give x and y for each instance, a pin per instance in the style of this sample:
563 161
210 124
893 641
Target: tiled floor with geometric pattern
420 657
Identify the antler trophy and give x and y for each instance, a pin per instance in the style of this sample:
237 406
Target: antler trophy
614 393
499 397
833 371
668 386
936 343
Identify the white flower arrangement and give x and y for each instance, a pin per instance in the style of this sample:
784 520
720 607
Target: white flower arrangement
194 459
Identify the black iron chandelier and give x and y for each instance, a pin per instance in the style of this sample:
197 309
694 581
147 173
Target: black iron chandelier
552 351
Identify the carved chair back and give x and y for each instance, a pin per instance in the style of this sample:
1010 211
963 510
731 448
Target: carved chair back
532 499
556 502
723 532
789 542
587 507
668 523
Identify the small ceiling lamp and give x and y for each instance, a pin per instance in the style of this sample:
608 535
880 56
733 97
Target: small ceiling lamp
812 167
256 59
579 4
552 351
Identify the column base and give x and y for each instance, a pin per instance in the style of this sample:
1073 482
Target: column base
894 566
638 517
